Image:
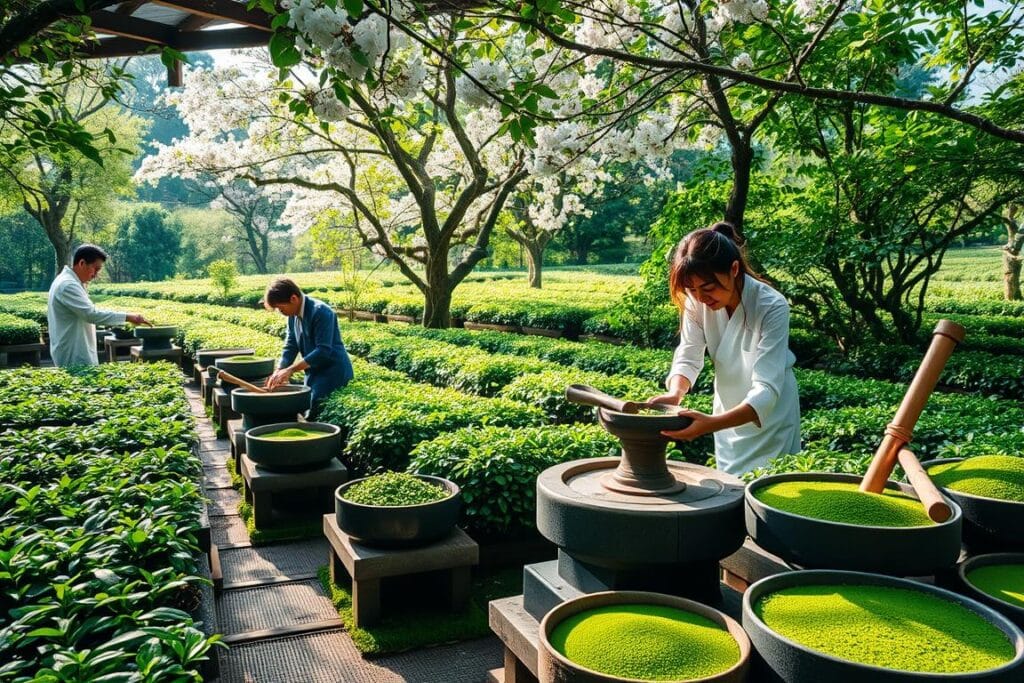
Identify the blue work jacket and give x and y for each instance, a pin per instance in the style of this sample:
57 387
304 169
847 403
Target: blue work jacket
319 342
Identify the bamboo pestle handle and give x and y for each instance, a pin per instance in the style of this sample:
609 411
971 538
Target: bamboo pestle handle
898 433
934 504
240 382
589 396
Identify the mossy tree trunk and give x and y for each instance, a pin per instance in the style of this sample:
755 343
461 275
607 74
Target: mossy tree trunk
1012 257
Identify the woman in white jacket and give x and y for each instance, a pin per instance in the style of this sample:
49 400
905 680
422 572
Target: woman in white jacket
743 323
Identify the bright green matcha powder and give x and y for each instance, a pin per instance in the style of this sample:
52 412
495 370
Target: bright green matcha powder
246 359
646 642
990 476
893 628
1002 581
291 434
844 502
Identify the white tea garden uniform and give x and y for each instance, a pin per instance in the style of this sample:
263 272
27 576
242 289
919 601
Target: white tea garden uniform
753 365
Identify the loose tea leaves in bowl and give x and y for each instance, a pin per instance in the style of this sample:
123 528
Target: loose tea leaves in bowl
293 434
988 476
646 642
392 489
844 502
884 626
1002 581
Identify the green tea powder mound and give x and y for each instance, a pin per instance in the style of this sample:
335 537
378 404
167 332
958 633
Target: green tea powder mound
291 434
835 501
646 642
393 489
893 628
1002 581
989 476
246 359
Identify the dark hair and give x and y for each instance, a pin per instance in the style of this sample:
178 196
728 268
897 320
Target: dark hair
705 253
89 253
280 291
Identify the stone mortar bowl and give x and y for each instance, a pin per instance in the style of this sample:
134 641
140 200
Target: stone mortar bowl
792 662
250 370
281 404
399 526
1014 613
554 667
123 333
990 524
156 338
642 469
821 544
279 455
205 357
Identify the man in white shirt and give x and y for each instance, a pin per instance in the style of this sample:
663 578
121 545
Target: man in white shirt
71 315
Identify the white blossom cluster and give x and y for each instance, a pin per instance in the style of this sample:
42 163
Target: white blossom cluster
556 147
326 104
742 62
493 76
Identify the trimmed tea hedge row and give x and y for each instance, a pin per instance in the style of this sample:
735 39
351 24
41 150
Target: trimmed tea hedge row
98 534
32 397
15 330
383 416
27 305
497 469
974 306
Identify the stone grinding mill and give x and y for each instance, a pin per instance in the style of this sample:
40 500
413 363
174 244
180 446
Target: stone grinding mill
635 522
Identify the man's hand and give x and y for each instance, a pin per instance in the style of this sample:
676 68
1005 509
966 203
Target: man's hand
702 424
136 319
279 378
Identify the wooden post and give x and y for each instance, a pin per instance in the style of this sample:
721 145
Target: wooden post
898 433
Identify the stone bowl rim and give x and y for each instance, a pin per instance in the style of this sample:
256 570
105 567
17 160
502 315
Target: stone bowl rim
329 430
156 330
633 421
254 359
449 485
751 501
984 560
822 576
606 598
949 492
283 389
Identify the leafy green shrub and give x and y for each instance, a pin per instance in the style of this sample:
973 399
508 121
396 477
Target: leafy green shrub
546 390
224 275
27 305
497 469
972 306
15 330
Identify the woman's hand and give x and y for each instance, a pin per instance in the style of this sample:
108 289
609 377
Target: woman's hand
670 399
702 424
279 378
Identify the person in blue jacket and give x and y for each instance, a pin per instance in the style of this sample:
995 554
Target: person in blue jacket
313 332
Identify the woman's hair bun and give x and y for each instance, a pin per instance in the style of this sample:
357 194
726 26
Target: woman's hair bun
729 230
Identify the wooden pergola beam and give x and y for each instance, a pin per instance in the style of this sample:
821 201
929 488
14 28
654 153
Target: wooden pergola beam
130 7
194 22
193 41
128 26
234 12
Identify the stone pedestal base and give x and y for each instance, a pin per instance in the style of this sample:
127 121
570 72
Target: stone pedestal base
236 435
172 355
315 488
367 567
15 354
113 347
222 412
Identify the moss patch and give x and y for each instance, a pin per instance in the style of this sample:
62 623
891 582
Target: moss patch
292 434
1002 581
646 642
394 489
844 502
412 624
894 628
989 476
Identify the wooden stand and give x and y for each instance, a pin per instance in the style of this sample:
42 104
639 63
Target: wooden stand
367 566
30 352
316 486
113 346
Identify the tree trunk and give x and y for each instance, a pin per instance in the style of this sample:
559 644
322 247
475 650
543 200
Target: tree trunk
535 262
742 161
1012 258
437 298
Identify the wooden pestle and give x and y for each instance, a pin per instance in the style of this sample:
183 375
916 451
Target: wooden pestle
898 433
240 382
934 504
589 396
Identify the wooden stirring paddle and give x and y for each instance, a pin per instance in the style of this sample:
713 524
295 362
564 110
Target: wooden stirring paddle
228 377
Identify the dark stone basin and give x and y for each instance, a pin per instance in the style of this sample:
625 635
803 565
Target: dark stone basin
554 666
399 526
990 524
123 333
293 456
246 369
280 405
792 662
205 357
1015 613
156 338
821 544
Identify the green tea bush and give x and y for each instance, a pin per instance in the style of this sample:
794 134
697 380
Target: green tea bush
27 305
497 468
546 390
15 330
972 306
